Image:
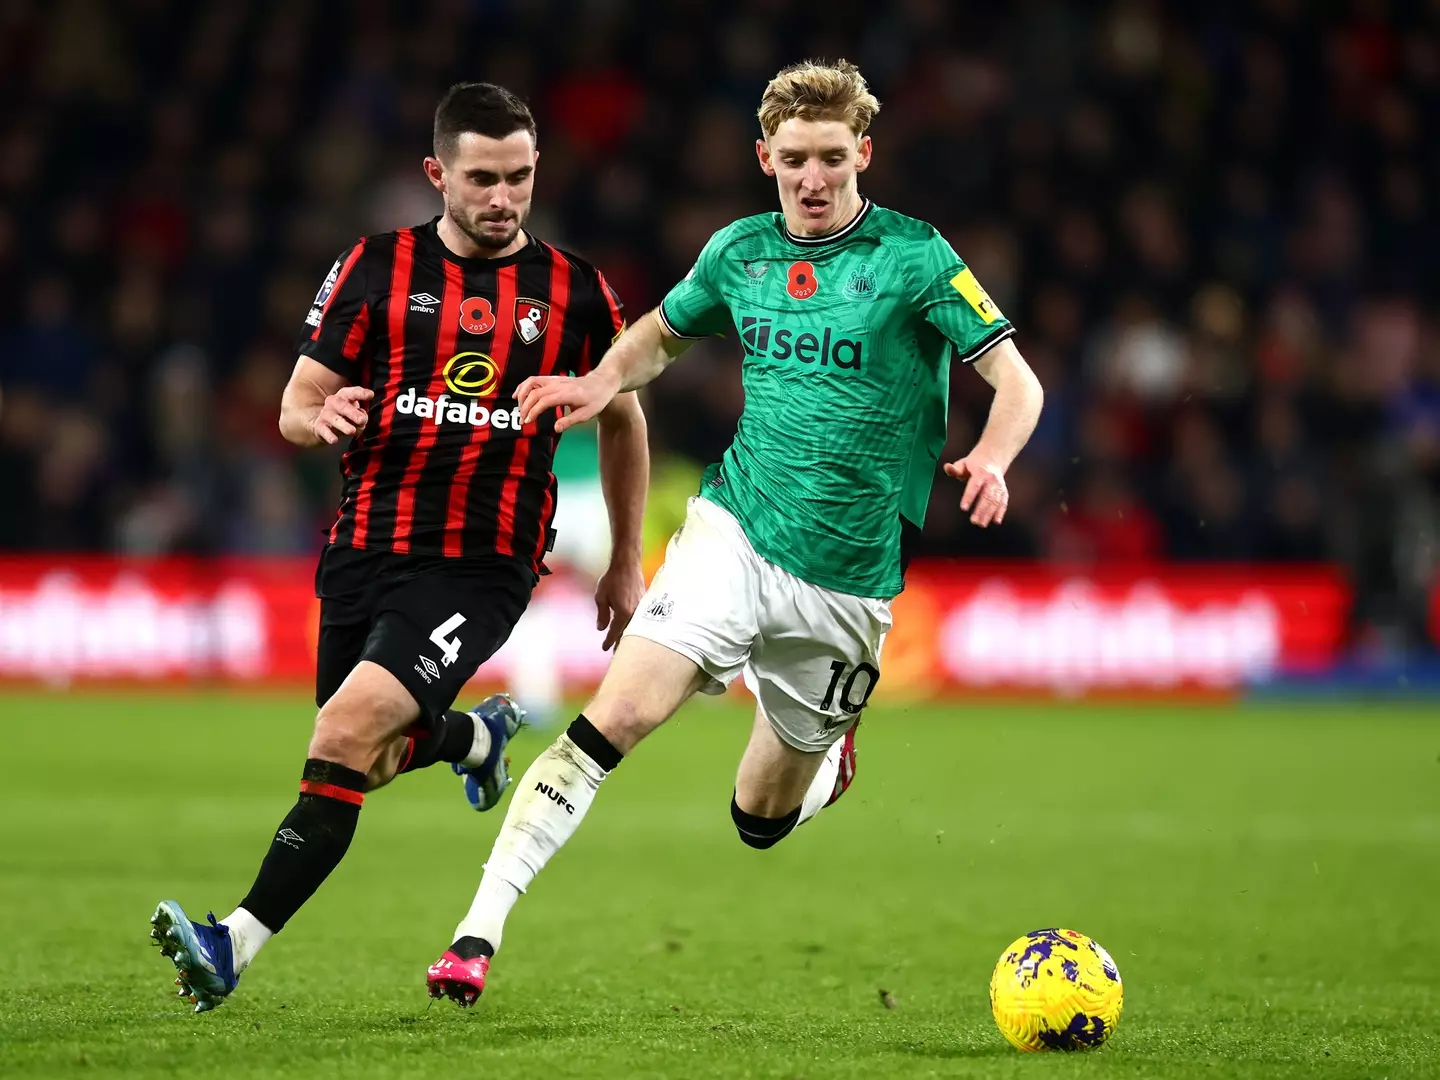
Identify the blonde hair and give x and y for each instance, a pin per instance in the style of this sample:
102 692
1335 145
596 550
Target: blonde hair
816 90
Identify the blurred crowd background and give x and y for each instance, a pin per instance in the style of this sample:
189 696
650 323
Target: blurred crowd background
1212 224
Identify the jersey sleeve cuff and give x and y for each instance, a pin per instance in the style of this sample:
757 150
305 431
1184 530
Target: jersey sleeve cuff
987 343
337 364
670 326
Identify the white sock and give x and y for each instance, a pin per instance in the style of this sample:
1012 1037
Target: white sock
247 936
486 917
823 786
549 803
480 748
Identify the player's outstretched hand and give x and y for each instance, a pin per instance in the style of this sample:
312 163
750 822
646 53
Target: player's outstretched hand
343 413
985 490
617 595
584 397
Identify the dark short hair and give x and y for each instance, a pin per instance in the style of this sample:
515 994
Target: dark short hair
485 109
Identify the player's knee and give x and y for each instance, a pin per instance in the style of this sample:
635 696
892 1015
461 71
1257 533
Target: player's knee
646 683
621 719
336 741
387 764
353 734
762 832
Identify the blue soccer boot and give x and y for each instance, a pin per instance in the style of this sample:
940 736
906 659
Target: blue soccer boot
486 783
201 954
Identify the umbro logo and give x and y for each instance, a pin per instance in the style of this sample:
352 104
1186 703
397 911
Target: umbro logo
290 838
424 302
428 669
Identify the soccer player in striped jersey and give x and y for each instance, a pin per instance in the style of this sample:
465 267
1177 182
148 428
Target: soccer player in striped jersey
413 351
849 316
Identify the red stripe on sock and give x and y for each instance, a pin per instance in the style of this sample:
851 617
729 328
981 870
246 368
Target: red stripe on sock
330 791
409 753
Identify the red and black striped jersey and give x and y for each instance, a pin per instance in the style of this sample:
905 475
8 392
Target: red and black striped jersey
444 466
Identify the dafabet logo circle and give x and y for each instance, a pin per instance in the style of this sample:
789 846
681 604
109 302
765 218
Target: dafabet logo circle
471 373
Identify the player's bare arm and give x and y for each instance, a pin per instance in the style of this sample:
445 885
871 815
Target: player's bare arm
1013 415
624 476
320 407
642 352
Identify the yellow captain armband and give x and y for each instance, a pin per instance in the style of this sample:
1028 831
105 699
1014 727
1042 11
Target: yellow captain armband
976 296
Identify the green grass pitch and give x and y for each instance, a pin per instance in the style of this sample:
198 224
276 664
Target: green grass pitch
1266 877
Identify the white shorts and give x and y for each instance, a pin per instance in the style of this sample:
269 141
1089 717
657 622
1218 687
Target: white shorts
810 655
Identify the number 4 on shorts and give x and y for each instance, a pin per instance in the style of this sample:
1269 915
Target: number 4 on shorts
449 647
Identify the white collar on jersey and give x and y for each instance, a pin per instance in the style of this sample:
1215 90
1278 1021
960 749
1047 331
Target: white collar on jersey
829 238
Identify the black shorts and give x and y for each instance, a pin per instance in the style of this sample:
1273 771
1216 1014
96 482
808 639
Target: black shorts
428 620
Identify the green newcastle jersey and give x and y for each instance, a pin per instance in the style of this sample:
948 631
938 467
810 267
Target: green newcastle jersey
847 341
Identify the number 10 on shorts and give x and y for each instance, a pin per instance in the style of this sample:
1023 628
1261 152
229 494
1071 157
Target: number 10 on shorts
450 647
847 688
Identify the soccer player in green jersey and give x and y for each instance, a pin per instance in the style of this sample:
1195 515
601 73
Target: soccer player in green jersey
848 316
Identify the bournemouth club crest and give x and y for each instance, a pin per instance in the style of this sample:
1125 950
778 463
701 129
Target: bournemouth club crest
531 319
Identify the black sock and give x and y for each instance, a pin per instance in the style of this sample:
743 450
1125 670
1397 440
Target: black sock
762 832
310 843
587 737
450 738
468 948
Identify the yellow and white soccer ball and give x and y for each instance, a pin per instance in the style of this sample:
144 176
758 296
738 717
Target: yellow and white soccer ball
1056 989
